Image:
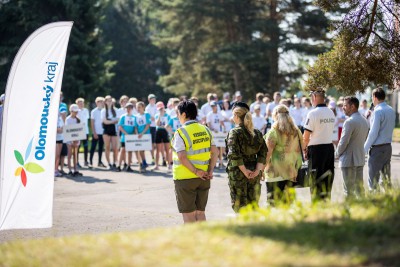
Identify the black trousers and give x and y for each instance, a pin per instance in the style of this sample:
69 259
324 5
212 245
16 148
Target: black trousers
85 144
321 158
93 147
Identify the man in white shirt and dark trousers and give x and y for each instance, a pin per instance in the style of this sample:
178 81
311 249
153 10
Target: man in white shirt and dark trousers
318 147
379 142
350 149
97 131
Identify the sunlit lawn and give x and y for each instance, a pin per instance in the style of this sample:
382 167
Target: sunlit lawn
352 234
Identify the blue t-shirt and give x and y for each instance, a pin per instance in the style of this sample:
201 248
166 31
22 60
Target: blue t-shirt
128 123
174 123
141 121
63 108
163 121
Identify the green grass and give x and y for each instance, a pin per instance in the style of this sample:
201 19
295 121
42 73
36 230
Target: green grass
358 233
396 135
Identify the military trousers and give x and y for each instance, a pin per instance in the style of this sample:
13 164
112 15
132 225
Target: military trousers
243 191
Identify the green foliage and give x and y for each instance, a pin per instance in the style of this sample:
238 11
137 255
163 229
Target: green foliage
365 50
235 45
86 71
138 61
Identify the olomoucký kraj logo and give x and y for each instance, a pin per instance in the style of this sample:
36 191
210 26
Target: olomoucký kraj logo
30 167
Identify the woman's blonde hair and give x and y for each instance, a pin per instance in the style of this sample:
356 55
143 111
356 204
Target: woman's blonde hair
245 116
283 122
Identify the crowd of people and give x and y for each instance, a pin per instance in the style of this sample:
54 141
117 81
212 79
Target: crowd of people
270 139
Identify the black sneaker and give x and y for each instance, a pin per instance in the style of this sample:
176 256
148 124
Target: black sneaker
77 174
79 165
70 173
87 164
118 169
164 163
101 165
125 166
128 169
114 166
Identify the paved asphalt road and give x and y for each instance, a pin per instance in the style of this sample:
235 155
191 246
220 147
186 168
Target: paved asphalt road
104 201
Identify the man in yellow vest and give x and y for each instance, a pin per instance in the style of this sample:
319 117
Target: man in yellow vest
194 158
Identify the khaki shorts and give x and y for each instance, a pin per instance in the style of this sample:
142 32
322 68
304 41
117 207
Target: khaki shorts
191 194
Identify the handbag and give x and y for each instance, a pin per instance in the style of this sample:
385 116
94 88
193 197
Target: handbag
303 178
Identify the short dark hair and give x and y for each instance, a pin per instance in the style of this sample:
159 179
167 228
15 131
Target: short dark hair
352 100
189 108
379 93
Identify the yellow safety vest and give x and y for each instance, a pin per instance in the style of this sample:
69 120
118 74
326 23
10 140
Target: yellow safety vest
197 139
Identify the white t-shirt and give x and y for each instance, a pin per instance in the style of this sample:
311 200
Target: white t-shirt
340 115
83 115
305 113
179 145
213 121
263 108
120 112
206 108
110 116
152 110
297 116
95 115
71 121
60 124
227 114
270 107
258 121
320 122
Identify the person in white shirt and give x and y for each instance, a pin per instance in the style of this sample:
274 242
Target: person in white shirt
133 101
259 122
200 117
297 114
318 147
259 101
272 105
307 107
152 110
96 124
341 117
83 115
110 119
206 108
216 124
123 100
73 146
227 116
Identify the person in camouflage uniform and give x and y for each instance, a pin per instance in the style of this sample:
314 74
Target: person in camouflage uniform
246 152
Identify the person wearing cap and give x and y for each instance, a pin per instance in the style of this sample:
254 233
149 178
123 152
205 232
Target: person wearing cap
162 138
379 142
152 110
83 115
246 152
96 123
318 147
215 122
259 101
238 97
127 126
206 108
194 157
259 121
73 146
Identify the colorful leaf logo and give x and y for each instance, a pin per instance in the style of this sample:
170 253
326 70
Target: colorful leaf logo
31 167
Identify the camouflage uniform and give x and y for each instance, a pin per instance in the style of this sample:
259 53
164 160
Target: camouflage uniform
244 149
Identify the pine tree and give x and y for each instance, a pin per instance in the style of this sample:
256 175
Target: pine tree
139 62
85 72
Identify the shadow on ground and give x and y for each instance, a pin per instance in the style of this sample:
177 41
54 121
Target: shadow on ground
88 179
376 241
